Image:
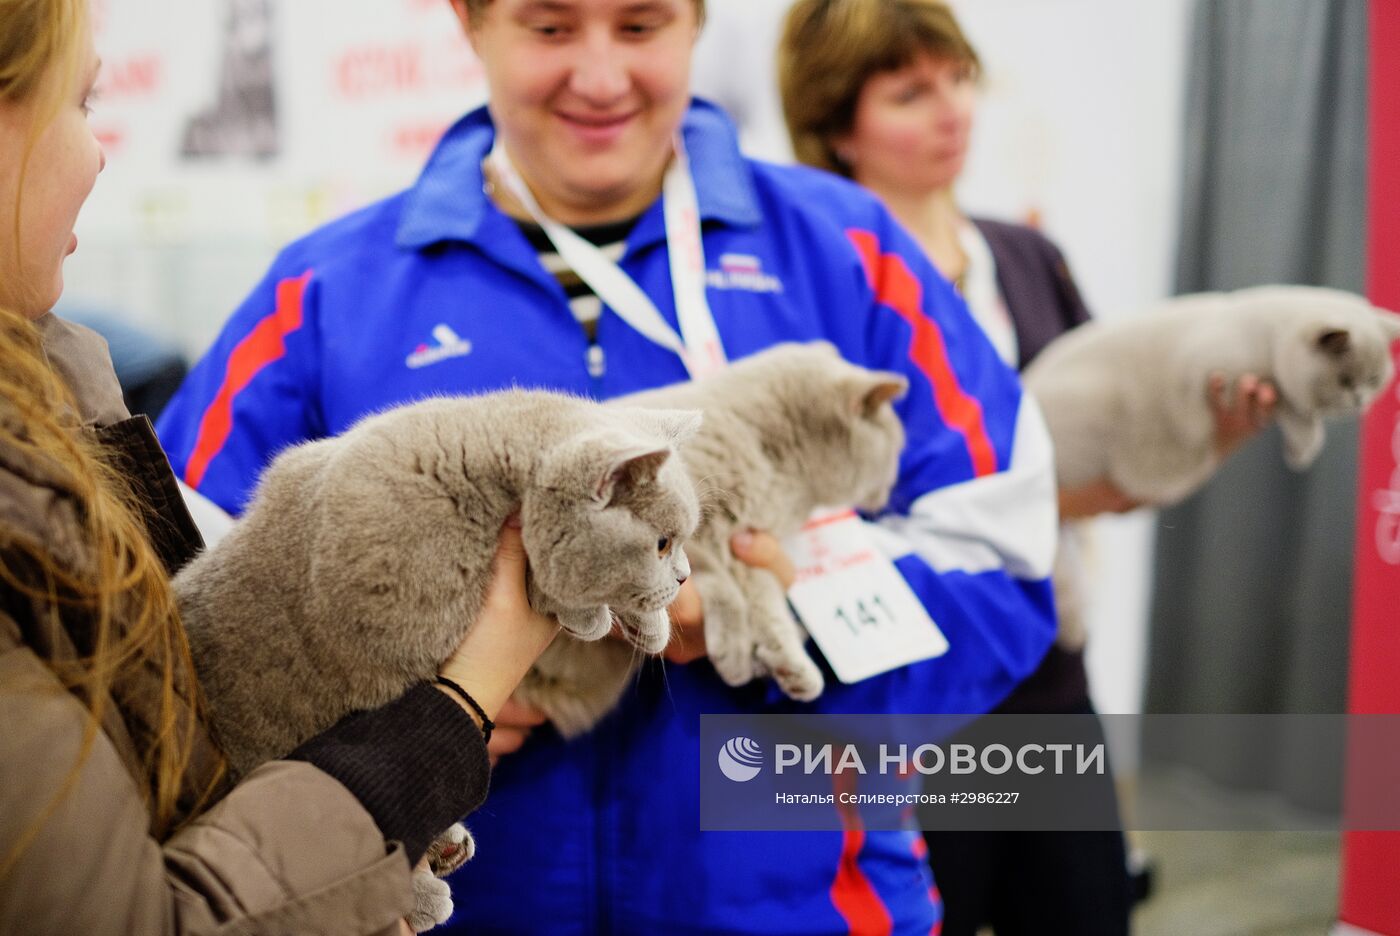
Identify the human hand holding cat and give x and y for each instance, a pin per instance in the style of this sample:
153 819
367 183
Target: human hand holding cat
507 636
514 724
825 432
1240 416
517 718
755 548
496 652
1094 498
1156 401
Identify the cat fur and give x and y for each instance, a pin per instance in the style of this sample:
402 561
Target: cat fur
1127 400
785 431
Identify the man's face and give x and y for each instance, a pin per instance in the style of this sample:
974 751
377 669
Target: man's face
587 95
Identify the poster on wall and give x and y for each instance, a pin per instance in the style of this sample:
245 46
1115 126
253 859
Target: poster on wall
260 118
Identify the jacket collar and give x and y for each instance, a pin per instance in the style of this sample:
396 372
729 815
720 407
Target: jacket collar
80 357
448 203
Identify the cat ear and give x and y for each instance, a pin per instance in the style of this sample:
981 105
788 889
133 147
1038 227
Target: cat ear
1334 341
626 470
1390 324
875 390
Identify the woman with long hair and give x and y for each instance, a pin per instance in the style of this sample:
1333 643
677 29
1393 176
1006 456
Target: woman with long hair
115 812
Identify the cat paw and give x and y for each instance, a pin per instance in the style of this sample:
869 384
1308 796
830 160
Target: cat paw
1300 455
432 902
450 850
587 623
733 660
799 679
1302 440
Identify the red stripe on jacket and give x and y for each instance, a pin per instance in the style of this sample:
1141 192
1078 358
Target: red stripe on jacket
920 849
896 286
263 345
852 893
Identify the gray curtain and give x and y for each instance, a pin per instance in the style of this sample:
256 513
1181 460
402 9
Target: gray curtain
1252 594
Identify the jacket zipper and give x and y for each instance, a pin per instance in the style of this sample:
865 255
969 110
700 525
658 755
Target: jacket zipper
597 364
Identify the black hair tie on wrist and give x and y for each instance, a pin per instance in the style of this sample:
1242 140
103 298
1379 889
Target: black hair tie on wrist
487 725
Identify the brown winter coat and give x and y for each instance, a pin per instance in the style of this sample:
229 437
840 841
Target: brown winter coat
289 850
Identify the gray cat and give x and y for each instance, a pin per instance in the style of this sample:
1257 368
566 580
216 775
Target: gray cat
367 555
785 431
1127 400
363 559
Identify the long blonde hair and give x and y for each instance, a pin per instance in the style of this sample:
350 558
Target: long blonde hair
121 589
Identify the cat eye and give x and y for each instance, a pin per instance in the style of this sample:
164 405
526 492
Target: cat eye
663 545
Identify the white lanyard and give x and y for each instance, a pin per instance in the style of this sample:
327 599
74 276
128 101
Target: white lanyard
698 343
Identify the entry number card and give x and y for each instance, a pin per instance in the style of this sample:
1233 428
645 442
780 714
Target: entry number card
853 601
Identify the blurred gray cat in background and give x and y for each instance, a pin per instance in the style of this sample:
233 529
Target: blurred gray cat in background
1127 401
363 559
785 431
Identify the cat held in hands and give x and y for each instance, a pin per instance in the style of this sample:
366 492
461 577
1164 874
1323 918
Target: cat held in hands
363 559
785 431
1127 401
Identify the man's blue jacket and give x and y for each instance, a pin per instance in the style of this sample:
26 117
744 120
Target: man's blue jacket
435 291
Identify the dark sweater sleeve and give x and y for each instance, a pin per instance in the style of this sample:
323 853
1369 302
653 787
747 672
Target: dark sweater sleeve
1071 301
1034 279
417 765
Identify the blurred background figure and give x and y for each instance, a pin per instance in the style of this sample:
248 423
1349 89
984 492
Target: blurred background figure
884 92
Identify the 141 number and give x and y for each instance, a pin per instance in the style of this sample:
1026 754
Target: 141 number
866 614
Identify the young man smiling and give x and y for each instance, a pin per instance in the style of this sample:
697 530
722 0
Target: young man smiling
591 158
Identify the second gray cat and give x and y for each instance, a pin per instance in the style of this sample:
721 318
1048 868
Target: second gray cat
1127 400
785 431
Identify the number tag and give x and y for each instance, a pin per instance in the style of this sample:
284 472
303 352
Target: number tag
853 601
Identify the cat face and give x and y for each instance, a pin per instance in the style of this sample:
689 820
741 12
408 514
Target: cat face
607 522
847 412
1344 362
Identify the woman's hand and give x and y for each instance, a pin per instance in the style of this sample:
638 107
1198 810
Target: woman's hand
513 726
761 550
1094 498
505 639
1240 417
751 547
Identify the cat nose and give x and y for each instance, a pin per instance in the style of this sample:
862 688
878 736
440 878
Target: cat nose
680 579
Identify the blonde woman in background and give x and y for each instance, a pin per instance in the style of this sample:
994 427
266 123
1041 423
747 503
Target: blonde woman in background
884 92
114 813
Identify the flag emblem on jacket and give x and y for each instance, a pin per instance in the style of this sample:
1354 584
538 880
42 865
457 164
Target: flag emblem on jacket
742 271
